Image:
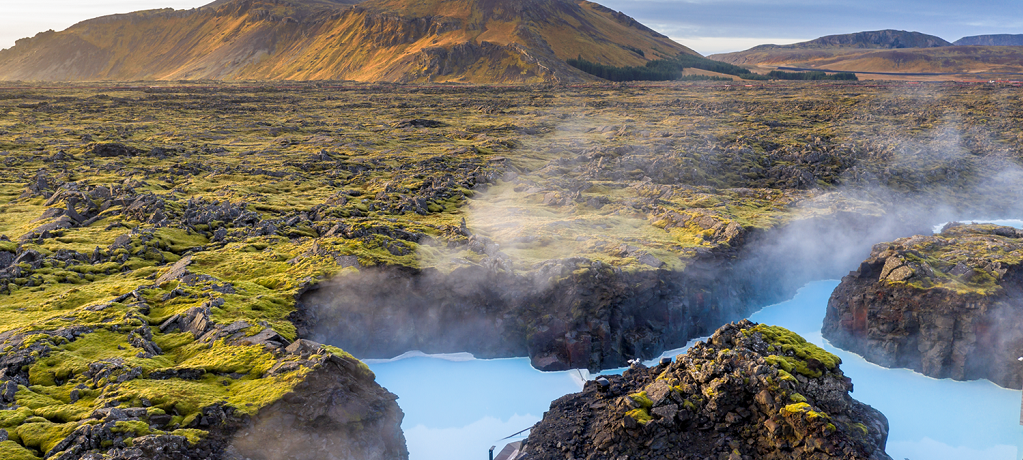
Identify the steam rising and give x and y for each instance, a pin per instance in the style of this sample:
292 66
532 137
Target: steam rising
595 182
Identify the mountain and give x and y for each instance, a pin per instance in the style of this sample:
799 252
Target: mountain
991 40
830 46
885 52
483 41
879 39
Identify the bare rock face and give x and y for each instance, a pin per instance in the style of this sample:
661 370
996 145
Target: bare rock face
751 392
947 305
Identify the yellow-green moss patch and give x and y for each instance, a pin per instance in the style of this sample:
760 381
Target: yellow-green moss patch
10 450
797 352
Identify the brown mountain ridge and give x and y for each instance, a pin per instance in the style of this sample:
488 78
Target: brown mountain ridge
480 41
890 52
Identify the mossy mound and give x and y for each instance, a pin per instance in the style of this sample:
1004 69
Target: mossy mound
723 398
795 353
965 259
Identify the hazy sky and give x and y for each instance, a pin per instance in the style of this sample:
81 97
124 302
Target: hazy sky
708 26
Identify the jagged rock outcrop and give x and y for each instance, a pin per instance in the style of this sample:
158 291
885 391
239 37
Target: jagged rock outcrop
946 305
751 392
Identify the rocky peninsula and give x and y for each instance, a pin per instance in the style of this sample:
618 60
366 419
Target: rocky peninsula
945 305
752 391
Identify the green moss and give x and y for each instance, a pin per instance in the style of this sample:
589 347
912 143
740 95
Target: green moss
32 400
73 359
795 408
10 450
65 412
184 398
221 358
797 398
815 414
14 417
192 435
178 240
133 428
796 351
642 399
641 415
44 436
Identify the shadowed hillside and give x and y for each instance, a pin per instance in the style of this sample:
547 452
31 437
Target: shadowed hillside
480 41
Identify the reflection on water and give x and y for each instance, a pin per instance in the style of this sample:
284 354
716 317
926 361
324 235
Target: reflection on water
456 407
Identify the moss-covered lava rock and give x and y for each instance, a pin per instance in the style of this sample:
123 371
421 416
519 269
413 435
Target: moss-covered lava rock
751 391
945 305
155 239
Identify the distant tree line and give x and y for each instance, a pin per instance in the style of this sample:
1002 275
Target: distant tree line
779 75
630 73
671 69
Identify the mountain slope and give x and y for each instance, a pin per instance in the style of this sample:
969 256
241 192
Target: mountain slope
884 51
878 39
380 40
991 40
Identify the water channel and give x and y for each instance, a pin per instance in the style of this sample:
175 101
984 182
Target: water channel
457 406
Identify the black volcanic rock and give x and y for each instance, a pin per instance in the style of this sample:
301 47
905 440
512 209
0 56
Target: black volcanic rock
946 305
991 40
751 392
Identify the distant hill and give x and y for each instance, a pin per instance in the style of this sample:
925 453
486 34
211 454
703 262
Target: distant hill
885 51
991 40
483 41
878 39
830 46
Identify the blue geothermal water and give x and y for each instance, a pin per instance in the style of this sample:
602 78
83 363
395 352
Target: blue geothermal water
929 419
457 406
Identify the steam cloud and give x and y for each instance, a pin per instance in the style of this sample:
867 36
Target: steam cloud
948 171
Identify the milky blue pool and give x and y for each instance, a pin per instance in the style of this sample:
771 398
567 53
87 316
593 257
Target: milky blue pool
456 407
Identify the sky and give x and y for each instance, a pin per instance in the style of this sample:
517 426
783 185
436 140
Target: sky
707 26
